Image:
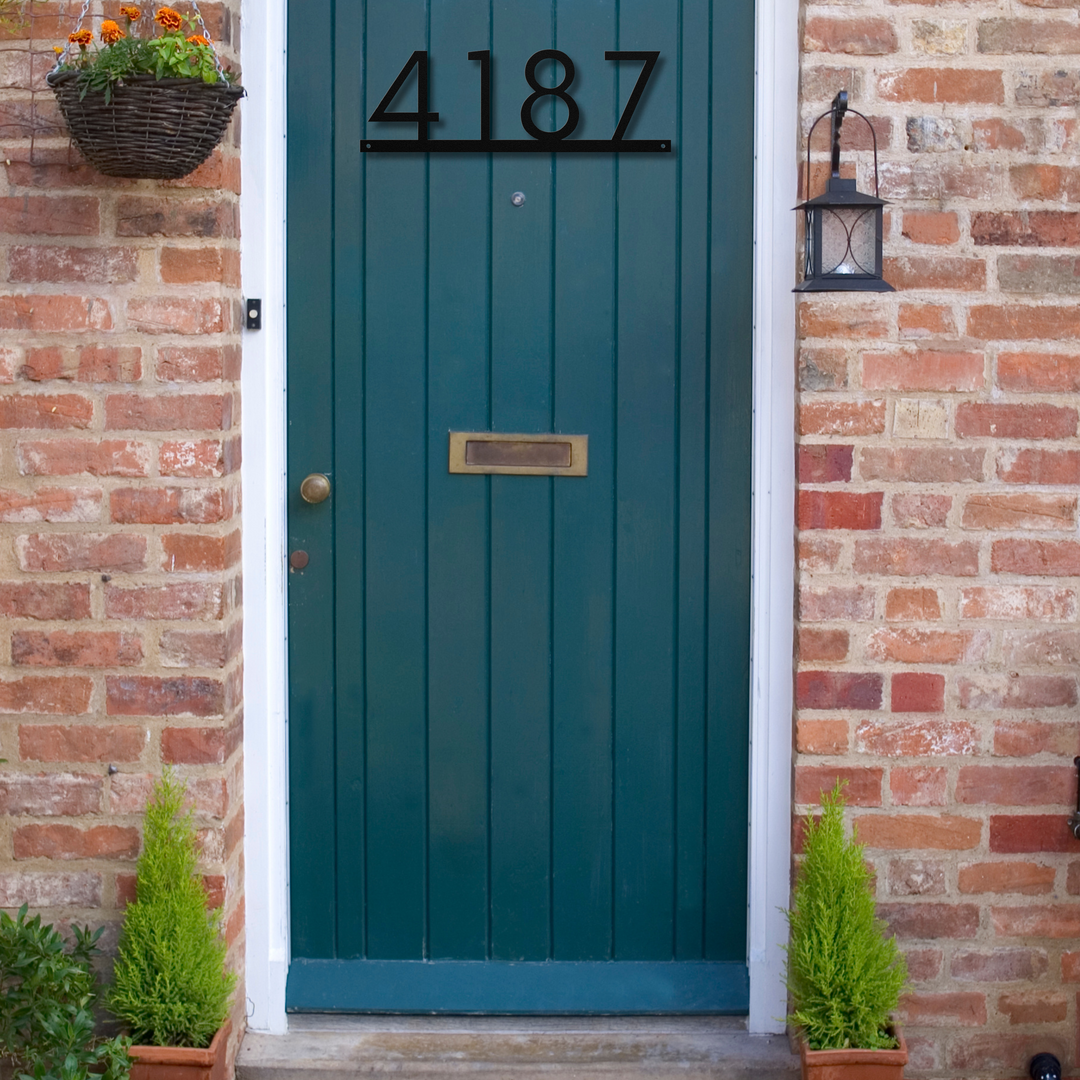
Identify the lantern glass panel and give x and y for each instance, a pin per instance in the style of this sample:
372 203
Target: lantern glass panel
849 240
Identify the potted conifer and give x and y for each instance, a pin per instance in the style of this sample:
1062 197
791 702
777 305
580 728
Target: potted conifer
170 987
844 975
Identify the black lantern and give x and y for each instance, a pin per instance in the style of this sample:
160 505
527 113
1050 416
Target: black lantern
843 226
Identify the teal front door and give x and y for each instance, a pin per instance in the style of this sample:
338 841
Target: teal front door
519 703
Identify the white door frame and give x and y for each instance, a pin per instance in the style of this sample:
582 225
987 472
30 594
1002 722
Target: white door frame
263 474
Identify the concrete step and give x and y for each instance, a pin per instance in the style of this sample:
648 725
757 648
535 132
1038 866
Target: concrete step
324 1047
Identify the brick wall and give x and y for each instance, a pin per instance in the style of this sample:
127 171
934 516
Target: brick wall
119 503
939 559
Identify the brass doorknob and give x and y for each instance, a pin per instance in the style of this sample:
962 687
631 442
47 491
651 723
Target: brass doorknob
315 488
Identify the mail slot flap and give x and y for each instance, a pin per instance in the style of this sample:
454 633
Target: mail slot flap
519 454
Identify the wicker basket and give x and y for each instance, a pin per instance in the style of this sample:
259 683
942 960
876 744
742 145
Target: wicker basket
152 129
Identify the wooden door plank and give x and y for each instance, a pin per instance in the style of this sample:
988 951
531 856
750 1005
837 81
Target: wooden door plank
584 510
458 505
395 509
520 510
310 449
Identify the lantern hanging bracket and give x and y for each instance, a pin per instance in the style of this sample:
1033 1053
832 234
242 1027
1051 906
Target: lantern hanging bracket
837 111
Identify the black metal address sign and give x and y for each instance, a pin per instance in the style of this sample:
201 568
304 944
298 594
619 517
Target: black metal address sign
542 142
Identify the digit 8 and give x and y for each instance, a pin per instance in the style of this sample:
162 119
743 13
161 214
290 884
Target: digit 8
541 91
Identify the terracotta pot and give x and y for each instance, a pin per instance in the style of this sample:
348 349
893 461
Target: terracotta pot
182 1062
853 1064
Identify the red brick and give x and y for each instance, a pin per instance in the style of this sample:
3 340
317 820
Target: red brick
916 877
146 215
54 314
145 695
1072 879
1046 36
923 370
1035 275
902 832
200 458
931 920
68 695
49 215
47 890
30 600
185 266
838 690
921 511
69 842
999 964
931 226
49 795
184 553
839 510
909 272
1034 1007
950 85
1012 834
1020 322
925 320
94 265
199 746
128 793
1026 228
1046 467
974 420
955 1009
918 785
912 646
195 363
914 691
827 463
852 603
70 457
80 743
924 965
1027 878
817 552
1036 558
912 605
1046 921
989 1054
51 504
188 602
994 133
865 36
1017 785
1024 738
916 738
200 648
1018 692
823 369
840 318
84 648
822 644
821 736
1015 602
842 418
1040 181
168 412
1070 967
916 558
862 786
923 465
46 411
1029 510
81 551
101 363
167 506
177 315
1042 648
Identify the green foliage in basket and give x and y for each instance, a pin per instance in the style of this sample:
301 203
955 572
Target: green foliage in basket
170 986
47 996
844 975
178 51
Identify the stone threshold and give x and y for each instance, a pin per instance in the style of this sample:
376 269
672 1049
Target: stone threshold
334 1047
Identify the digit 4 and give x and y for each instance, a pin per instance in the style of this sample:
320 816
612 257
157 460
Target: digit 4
648 61
421 118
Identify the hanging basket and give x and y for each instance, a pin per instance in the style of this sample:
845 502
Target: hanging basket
151 129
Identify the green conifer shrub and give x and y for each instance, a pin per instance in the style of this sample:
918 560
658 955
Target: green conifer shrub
170 986
844 975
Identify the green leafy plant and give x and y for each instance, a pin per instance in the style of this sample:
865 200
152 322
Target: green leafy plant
170 986
844 975
178 51
47 996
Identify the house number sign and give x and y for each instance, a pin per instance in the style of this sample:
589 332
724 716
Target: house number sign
541 142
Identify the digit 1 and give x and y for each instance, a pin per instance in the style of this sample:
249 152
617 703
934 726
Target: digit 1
648 59
484 56
421 117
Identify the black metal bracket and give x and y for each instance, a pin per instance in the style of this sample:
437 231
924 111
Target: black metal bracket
1074 817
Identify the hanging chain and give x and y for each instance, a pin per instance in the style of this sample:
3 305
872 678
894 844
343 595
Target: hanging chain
206 34
61 57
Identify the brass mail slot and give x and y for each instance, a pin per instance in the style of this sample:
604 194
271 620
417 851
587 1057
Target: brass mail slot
520 455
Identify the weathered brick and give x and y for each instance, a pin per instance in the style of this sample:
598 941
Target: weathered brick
51 504
998 965
1039 274
1024 738
918 646
978 420
923 370
167 506
1021 833
189 601
48 890
69 842
1026 372
93 265
862 786
46 411
81 551
949 85
818 552
822 644
925 320
31 600
825 463
55 314
84 648
49 795
918 785
186 553
1027 228
200 458
955 1009
146 215
823 369
185 266
918 691
177 315
68 695
1034 1007
50 215
1046 467
985 1053
931 226
1017 692
146 695
839 510
1046 36
901 832
916 738
81 742
1019 322
197 363
199 648
821 736
938 37
920 511
168 412
1030 879
863 36
199 746
921 920
912 605
841 318
924 965
842 418
1042 648
1036 558
128 793
908 557
1027 510
916 877
854 603
838 690
70 457
1017 785
1037 921
1042 181
909 272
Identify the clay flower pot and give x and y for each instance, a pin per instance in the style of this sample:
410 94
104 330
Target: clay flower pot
850 1064
182 1062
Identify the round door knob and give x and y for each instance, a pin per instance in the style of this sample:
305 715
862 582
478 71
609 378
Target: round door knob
315 488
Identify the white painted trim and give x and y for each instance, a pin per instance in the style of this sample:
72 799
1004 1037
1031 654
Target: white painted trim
773 573
262 209
265 739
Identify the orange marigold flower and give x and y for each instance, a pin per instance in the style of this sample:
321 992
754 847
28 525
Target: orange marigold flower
58 49
82 38
111 32
131 12
198 39
169 19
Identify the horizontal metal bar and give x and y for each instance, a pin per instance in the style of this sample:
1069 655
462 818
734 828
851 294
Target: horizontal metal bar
515 146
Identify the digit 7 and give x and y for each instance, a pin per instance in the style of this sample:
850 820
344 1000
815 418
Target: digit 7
421 117
648 59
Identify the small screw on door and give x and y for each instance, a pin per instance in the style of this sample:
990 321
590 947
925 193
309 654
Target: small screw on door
518 198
